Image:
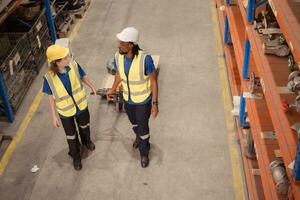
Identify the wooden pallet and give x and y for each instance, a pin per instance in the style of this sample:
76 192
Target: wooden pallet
4 4
8 9
81 12
66 29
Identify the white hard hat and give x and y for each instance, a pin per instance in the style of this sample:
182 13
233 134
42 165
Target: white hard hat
129 34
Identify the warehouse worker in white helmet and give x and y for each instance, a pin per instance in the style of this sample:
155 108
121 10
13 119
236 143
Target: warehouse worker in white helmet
137 73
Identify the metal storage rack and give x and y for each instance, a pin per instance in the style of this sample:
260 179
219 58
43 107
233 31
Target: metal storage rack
35 41
270 125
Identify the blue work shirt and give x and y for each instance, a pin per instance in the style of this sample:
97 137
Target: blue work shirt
64 77
149 69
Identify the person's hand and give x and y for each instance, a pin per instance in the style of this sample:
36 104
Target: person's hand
154 111
110 92
94 91
56 122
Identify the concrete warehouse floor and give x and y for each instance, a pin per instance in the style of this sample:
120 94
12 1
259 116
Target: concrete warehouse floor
190 154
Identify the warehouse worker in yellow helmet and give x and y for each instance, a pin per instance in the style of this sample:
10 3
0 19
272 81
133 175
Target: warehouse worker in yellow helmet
67 96
136 72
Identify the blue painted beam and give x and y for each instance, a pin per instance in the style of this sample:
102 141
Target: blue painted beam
243 114
5 100
227 36
246 61
50 20
242 110
297 163
250 11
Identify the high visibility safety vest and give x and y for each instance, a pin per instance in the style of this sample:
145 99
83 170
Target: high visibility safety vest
136 85
64 103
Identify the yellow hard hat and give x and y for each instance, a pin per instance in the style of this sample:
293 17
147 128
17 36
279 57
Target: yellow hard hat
56 52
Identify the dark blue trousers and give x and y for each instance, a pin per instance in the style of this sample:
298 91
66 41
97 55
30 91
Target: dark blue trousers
139 116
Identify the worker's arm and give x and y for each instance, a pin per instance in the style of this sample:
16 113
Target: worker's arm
89 83
114 87
55 120
154 91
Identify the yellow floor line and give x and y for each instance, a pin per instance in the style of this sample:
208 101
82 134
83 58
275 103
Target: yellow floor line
19 135
238 185
28 117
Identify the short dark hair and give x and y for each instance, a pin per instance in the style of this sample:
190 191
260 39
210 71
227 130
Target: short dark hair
135 49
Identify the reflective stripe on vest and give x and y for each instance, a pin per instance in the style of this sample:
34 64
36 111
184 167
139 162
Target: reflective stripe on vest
64 103
139 88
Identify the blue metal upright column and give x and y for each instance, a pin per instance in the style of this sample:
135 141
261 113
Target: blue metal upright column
250 11
243 115
246 62
247 47
5 100
227 36
50 20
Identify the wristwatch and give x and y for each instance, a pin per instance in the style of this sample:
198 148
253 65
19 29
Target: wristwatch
155 103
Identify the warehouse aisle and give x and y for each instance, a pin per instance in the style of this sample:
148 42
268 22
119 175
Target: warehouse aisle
190 155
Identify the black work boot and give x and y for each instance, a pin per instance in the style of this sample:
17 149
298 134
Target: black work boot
136 143
145 161
74 152
90 145
77 164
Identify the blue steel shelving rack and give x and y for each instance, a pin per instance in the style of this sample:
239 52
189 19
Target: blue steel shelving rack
8 111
